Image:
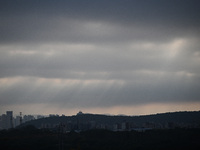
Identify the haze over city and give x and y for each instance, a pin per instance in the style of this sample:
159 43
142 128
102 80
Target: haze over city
127 57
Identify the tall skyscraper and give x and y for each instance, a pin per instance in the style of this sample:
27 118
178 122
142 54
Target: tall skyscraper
9 120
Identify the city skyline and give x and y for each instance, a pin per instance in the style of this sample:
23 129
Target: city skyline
10 120
131 57
100 121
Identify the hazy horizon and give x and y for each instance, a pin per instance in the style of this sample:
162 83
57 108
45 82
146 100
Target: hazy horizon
130 57
15 114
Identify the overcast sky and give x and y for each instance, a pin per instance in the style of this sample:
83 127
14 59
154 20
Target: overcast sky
99 56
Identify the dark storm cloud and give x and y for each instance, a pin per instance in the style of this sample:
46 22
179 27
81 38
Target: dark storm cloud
64 20
89 53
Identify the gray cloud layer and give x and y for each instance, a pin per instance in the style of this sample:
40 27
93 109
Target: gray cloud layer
99 53
75 20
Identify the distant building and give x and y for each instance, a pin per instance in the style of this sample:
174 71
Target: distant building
28 118
80 113
9 119
53 115
17 121
3 122
40 116
6 120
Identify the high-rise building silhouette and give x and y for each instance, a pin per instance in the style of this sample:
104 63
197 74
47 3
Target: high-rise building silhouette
20 118
9 119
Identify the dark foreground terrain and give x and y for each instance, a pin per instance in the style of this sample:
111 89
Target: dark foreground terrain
30 138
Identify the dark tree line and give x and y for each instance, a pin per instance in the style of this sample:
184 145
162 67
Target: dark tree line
30 138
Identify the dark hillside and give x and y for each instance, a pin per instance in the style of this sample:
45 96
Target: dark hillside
89 121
